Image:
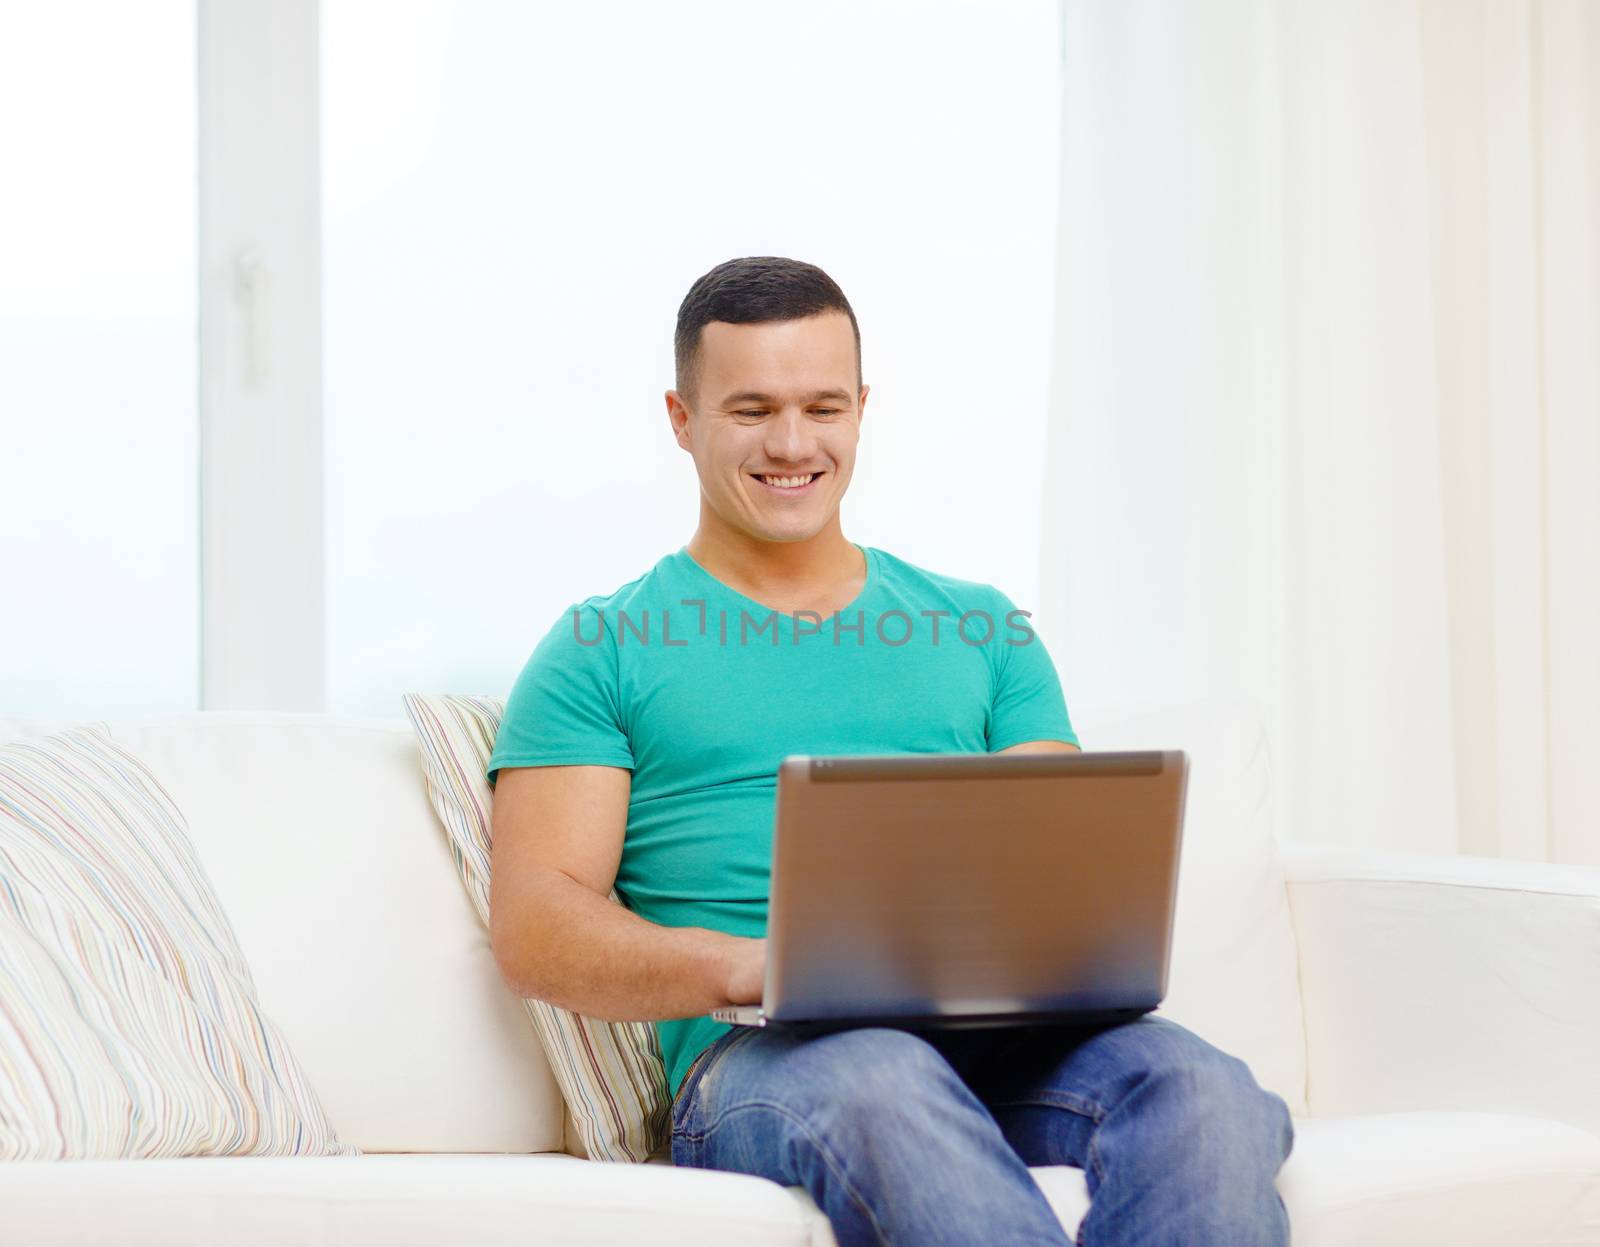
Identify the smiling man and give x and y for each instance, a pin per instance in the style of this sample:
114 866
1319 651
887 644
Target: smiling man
640 747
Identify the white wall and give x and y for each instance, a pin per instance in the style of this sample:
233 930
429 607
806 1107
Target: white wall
517 198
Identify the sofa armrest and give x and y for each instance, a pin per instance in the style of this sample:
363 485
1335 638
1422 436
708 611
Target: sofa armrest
1448 983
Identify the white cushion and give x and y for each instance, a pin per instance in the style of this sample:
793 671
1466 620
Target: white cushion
130 1026
1234 978
326 855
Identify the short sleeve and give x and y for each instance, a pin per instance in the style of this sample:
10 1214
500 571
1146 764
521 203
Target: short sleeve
1028 703
564 709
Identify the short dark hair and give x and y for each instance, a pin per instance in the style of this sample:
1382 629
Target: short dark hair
750 290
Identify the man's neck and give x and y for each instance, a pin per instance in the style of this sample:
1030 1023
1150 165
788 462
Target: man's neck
780 573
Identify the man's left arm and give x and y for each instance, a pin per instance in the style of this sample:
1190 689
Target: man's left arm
1041 746
1027 712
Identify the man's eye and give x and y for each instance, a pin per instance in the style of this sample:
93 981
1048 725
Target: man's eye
821 411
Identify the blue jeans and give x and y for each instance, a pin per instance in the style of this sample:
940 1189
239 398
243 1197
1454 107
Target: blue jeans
926 1137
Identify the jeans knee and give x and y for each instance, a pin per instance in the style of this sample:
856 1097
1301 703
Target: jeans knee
1256 1119
1278 1127
872 1075
881 1061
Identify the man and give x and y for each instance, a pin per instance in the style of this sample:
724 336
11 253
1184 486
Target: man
639 749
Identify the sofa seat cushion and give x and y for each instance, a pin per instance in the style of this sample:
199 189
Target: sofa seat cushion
394 1200
1403 1179
1467 1179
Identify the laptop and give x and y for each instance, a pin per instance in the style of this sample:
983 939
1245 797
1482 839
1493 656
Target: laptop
974 889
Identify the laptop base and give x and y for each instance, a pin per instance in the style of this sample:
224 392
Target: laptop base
751 1015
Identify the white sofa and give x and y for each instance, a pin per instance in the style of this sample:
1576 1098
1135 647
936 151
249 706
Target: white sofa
1433 1023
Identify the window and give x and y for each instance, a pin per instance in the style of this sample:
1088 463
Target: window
98 493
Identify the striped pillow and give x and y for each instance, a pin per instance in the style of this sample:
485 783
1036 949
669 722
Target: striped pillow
129 1026
611 1073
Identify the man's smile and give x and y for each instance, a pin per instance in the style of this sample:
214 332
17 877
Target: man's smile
787 486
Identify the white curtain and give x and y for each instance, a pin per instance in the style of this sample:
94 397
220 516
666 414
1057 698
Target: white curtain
1325 415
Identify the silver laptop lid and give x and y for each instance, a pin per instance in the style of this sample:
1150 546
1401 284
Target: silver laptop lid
973 884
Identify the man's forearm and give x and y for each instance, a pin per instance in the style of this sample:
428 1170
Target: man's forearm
580 951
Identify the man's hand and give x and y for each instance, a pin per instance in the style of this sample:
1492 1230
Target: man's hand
747 968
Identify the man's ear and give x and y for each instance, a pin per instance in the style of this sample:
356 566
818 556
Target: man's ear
861 403
678 418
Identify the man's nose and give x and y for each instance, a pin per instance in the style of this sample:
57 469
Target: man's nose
789 437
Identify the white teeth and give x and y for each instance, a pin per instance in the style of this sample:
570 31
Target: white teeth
787 482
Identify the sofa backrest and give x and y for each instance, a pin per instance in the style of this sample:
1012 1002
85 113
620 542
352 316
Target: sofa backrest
318 836
1235 973
320 840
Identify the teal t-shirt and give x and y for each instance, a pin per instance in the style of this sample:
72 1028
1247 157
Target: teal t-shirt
701 692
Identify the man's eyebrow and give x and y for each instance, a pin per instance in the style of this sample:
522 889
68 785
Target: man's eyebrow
755 396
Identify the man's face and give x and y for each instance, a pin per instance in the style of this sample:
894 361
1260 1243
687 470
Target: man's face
774 431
